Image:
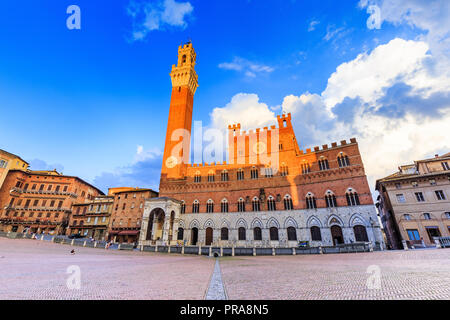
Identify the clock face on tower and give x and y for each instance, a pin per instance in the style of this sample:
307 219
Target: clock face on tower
171 162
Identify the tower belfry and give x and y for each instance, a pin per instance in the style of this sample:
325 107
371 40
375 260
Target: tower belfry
184 84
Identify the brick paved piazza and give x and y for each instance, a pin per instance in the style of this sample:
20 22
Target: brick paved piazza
33 269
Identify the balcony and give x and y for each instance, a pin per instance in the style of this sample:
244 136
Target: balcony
43 192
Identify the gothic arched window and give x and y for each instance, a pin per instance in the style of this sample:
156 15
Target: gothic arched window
343 160
352 197
241 205
254 173
288 203
323 164
256 205
224 206
330 200
271 206
240 174
196 207
315 234
209 206
292 234
241 233
311 201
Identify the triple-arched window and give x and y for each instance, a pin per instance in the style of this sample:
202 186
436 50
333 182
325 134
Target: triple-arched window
343 160
211 176
241 205
196 207
271 206
210 206
268 172
256 204
183 207
330 200
254 173
306 168
224 206
288 203
224 175
310 201
240 174
352 197
197 177
323 164
284 171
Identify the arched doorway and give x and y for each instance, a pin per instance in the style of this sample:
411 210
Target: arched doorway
336 235
156 215
209 236
180 234
172 220
194 236
360 233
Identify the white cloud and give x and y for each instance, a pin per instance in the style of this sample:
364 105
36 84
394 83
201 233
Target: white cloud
312 25
388 99
249 68
332 32
431 16
244 109
149 16
146 154
368 74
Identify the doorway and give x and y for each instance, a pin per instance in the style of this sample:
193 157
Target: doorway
194 236
209 236
336 235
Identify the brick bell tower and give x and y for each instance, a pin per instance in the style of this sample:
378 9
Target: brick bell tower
178 134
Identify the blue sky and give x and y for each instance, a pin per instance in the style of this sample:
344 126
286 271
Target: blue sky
83 101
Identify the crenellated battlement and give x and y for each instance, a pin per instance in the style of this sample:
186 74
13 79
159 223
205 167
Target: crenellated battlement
326 147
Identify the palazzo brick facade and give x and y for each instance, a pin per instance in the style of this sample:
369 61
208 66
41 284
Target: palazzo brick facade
41 201
269 192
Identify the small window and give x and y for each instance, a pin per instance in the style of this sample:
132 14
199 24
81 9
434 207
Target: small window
432 182
400 198
419 196
413 234
445 166
414 184
440 194
398 185
427 216
407 217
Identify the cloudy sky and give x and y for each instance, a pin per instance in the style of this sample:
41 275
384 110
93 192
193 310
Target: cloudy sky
94 102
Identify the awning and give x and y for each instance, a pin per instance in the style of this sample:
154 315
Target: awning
114 232
129 233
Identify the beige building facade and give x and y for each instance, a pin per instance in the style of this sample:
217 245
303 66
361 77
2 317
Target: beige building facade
92 219
9 161
414 203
